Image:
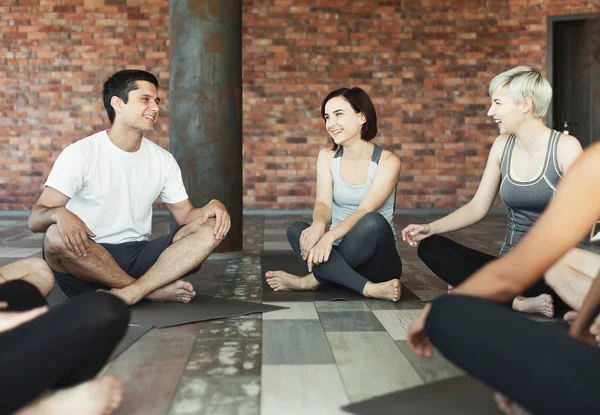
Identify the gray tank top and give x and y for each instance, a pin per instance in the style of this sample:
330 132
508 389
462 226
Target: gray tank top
347 198
527 200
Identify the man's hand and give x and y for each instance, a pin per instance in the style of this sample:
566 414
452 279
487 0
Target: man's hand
310 236
9 319
320 252
217 210
74 232
415 335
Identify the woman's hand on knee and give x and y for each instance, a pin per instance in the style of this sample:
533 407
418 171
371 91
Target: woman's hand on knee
415 233
320 252
310 236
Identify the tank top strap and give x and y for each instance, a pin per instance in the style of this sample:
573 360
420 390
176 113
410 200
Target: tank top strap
376 154
552 156
506 154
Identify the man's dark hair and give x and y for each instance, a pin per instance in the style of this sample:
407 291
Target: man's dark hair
120 84
360 102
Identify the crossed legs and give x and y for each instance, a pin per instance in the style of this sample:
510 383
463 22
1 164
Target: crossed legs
191 245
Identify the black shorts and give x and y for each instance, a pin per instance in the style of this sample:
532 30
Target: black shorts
135 258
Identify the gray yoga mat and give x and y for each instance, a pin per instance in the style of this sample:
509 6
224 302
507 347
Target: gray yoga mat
134 333
289 262
462 395
201 308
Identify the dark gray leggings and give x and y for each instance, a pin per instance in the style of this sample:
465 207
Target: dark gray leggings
540 367
367 253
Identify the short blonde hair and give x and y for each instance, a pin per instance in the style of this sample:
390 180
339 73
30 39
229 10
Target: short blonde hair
522 82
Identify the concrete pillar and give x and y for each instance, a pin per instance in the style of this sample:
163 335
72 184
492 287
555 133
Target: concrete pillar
205 99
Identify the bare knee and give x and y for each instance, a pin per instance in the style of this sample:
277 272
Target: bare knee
53 242
39 273
204 232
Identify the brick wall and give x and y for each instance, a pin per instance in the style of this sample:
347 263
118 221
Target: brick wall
426 64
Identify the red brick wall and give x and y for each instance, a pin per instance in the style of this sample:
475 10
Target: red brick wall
425 63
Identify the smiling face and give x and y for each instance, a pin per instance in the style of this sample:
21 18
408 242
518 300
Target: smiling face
141 110
342 122
507 114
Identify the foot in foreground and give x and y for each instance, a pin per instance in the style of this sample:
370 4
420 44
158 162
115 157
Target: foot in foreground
542 304
389 290
99 396
284 281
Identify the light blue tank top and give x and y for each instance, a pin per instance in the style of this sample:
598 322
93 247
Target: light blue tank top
347 198
527 200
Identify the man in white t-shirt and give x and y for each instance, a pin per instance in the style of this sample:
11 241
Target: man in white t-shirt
96 206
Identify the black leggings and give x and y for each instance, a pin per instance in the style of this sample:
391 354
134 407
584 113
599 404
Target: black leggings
454 263
538 366
367 253
67 345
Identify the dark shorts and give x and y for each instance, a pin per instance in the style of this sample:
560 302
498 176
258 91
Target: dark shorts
135 258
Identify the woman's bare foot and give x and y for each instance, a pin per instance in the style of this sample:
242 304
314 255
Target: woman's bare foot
389 290
507 406
99 396
542 304
570 316
283 281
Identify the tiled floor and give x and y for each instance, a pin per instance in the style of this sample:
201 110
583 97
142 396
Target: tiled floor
312 358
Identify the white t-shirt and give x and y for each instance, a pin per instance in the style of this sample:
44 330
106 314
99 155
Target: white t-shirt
112 190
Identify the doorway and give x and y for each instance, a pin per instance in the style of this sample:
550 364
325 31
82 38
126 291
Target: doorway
576 87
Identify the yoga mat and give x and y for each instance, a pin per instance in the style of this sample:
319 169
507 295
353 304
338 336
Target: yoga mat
461 395
288 261
134 333
201 308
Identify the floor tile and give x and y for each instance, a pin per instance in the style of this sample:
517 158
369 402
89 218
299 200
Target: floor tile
223 395
371 364
302 390
335 306
295 311
396 321
350 321
151 368
430 369
295 342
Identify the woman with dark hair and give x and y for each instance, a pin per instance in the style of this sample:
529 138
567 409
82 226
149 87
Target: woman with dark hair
351 240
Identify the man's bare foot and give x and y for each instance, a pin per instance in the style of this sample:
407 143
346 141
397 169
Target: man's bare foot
570 316
99 396
179 290
542 304
389 290
507 406
284 281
